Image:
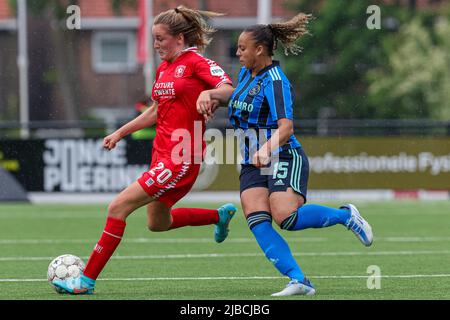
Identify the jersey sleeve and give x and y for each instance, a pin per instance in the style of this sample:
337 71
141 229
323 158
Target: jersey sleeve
211 73
280 96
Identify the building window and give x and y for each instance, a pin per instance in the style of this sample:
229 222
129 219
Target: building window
114 52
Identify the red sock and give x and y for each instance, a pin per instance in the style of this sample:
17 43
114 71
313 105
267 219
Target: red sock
105 247
193 217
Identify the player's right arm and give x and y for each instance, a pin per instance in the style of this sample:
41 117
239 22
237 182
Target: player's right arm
144 120
205 101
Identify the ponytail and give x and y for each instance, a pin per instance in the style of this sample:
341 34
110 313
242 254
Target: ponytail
286 32
190 23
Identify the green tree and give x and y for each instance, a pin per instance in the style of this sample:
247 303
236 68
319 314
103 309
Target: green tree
416 80
331 71
65 48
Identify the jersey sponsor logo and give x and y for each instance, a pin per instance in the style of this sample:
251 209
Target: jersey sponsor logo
241 105
179 71
164 90
216 71
255 90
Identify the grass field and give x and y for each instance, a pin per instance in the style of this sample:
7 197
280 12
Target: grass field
411 248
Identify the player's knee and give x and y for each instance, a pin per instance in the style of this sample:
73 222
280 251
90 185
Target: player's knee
157 227
278 220
115 210
280 215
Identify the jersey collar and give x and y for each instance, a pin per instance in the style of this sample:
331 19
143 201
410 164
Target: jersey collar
182 52
275 63
193 49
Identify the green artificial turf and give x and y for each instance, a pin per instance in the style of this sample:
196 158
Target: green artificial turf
411 250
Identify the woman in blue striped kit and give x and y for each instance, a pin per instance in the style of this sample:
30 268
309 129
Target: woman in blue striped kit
261 109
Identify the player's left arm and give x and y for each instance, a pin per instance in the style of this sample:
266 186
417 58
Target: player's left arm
280 97
279 138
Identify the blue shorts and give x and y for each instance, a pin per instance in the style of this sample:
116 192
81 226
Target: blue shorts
290 171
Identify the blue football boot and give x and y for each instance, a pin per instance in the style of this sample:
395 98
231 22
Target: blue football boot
78 285
226 213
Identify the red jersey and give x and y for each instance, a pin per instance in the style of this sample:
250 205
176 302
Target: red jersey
176 89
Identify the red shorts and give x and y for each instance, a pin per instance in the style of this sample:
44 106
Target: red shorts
168 182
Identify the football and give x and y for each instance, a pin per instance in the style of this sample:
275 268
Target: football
64 266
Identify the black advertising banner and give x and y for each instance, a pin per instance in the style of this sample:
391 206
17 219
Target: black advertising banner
337 163
23 159
74 165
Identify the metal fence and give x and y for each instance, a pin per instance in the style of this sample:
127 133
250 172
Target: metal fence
309 127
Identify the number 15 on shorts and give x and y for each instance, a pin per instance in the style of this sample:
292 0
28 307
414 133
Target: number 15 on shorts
280 170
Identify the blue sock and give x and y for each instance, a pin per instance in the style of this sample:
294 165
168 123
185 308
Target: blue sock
274 246
315 216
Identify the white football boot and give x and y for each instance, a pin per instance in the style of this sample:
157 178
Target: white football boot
359 226
295 287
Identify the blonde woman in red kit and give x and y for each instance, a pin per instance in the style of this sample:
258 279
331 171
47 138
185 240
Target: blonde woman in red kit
183 74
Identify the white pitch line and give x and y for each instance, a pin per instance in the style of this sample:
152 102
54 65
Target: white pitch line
399 276
209 240
412 239
145 240
229 255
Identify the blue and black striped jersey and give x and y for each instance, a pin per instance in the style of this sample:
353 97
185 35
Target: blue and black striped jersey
258 103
